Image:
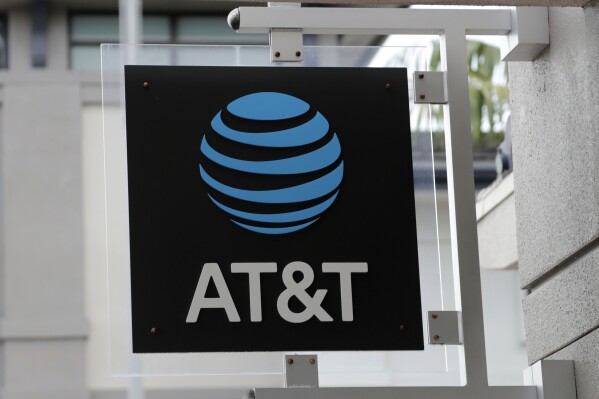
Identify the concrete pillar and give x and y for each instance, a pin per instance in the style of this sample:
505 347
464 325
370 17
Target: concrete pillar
43 329
556 167
42 323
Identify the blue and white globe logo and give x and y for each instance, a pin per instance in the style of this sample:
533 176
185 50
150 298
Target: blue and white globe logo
271 163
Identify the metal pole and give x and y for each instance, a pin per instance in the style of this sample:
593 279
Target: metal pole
130 16
130 32
462 208
130 26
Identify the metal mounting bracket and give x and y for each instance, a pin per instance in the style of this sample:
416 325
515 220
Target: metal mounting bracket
444 328
527 28
464 327
286 45
553 379
301 371
546 379
529 35
430 87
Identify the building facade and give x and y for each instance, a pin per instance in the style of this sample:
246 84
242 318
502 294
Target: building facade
555 144
53 286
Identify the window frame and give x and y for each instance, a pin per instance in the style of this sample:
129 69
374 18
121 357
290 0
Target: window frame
4 35
173 21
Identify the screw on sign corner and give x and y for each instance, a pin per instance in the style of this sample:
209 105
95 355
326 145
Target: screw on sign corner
436 337
290 361
435 316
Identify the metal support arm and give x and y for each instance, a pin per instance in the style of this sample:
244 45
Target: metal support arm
526 29
452 26
367 21
546 379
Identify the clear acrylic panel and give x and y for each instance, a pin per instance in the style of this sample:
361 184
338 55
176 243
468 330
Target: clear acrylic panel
156 29
212 29
435 365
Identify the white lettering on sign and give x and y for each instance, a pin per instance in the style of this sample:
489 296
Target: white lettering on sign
253 270
345 270
211 271
297 289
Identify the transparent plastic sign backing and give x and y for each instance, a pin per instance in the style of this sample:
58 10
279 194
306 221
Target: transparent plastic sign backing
149 92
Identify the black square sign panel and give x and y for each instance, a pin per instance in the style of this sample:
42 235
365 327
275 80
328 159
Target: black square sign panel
271 209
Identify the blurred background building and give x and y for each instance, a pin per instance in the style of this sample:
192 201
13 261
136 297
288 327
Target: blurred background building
53 287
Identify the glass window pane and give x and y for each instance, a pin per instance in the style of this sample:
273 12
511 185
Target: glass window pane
85 57
160 55
213 30
156 29
3 43
95 28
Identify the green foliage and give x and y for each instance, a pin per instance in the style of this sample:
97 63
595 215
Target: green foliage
489 96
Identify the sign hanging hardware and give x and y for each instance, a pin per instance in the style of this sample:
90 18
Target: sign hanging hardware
430 87
444 327
286 45
301 371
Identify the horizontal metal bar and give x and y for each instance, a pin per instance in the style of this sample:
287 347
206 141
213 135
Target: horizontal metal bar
525 3
497 392
382 21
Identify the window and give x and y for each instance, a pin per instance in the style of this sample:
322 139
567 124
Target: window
89 30
3 42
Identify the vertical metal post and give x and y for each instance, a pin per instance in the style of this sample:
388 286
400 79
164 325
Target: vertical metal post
130 26
130 32
130 16
462 209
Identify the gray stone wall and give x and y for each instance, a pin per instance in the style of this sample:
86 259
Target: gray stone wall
555 125
42 322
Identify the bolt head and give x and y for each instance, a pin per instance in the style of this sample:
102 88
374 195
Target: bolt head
402 328
146 84
421 76
290 361
298 53
435 316
153 330
422 96
277 54
312 361
387 86
436 337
